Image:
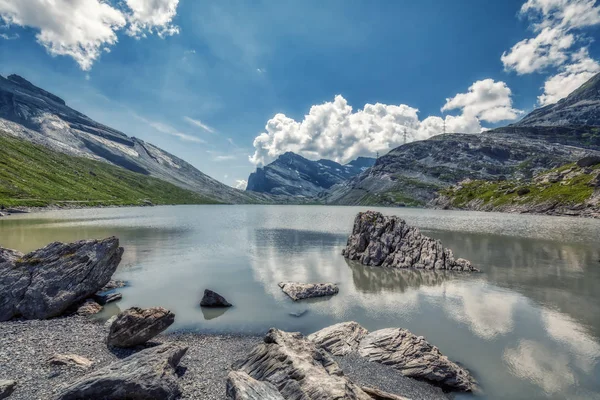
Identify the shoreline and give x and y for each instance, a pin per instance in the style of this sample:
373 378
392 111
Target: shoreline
26 346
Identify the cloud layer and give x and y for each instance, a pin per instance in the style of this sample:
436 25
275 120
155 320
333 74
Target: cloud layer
558 44
83 29
333 130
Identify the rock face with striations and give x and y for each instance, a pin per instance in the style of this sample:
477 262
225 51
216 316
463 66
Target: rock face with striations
413 356
45 282
298 291
136 326
298 369
377 240
147 375
241 386
339 339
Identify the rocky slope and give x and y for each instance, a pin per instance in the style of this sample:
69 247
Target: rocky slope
33 114
573 189
294 175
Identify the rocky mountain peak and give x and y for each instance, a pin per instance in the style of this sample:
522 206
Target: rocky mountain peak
23 83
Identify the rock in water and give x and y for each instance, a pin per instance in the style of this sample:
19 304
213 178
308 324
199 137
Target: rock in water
298 291
45 282
413 356
298 369
339 339
213 299
241 386
6 388
89 307
147 375
378 240
105 298
136 326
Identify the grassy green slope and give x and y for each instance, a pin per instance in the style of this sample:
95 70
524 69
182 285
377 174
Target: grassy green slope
32 175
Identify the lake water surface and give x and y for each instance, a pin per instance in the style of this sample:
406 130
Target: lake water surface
528 326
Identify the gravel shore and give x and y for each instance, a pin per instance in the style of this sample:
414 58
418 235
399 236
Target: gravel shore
25 347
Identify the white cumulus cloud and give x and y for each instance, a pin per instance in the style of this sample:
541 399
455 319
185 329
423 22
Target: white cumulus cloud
83 29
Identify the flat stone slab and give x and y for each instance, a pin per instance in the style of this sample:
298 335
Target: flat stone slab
298 291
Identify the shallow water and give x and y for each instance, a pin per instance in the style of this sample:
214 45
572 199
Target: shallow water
528 327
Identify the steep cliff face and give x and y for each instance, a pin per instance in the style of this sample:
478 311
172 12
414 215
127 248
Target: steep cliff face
38 116
294 175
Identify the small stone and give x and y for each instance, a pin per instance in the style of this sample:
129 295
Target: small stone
6 388
298 291
105 298
136 326
70 360
113 284
89 307
213 299
377 394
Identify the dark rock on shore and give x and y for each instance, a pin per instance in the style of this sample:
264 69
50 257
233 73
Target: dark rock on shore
135 326
147 375
388 241
213 299
46 282
298 291
6 388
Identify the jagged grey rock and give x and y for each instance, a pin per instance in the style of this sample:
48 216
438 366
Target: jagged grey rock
146 375
388 241
339 339
213 299
413 356
7 387
89 307
298 291
298 369
136 326
70 360
46 282
241 386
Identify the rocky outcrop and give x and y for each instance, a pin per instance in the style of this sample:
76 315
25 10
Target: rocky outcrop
413 356
298 369
7 387
241 386
213 299
147 375
339 339
46 282
298 291
136 326
89 307
378 240
70 360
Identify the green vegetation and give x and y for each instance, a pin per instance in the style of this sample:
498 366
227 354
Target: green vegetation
34 176
567 185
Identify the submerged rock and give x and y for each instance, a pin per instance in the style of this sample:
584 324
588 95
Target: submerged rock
413 356
241 386
388 241
46 282
136 326
298 291
147 375
7 387
70 360
298 369
339 339
213 299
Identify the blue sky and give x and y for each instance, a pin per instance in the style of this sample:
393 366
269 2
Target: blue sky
204 84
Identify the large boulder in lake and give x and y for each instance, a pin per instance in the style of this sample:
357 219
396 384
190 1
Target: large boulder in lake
388 241
298 291
339 339
147 375
413 356
136 326
46 282
296 368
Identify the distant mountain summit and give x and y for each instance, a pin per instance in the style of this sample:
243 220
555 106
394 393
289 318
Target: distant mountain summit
582 107
31 113
294 175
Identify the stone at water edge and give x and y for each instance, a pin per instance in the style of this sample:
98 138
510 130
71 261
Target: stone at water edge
136 326
7 387
339 339
46 282
298 291
105 298
113 284
299 370
70 360
414 357
148 375
241 386
213 299
388 241
89 307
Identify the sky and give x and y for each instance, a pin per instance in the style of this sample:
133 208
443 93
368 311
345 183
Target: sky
229 85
